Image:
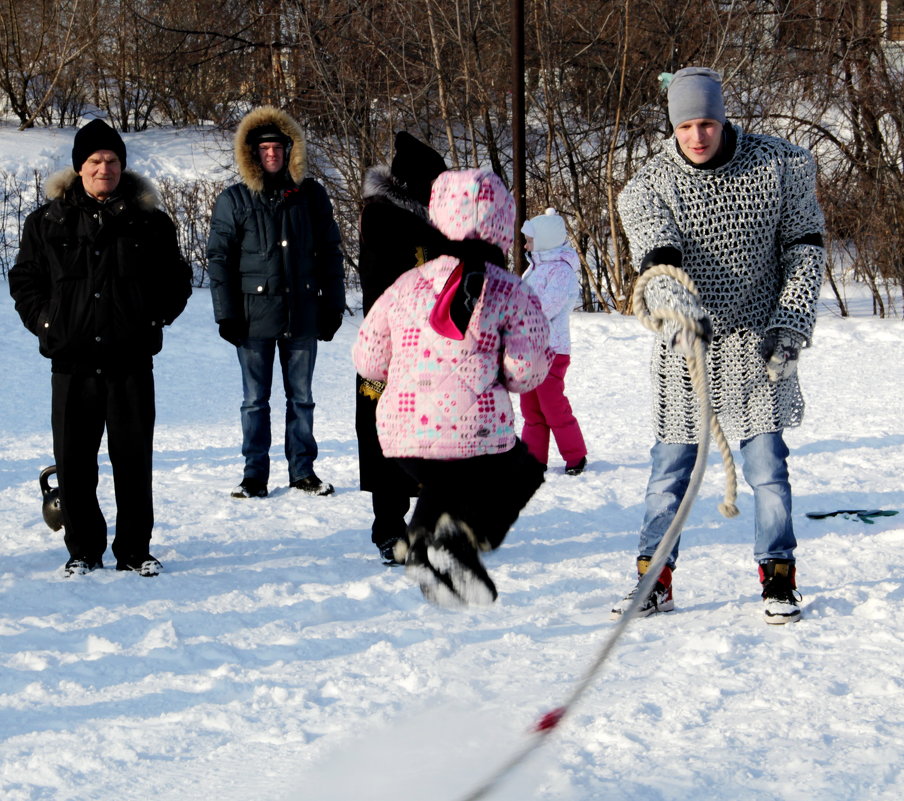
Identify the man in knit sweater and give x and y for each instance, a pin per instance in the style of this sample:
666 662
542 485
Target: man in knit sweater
738 213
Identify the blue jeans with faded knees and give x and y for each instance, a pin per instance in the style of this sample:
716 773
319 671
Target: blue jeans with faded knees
296 358
765 470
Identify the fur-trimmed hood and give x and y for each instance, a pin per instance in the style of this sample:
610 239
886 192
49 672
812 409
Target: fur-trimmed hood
250 170
132 187
380 183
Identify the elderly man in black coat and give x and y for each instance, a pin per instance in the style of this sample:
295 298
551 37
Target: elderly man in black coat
97 276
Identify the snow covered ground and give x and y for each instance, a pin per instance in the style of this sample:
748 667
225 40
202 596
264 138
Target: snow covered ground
277 659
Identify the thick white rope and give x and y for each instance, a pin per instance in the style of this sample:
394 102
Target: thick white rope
696 360
696 365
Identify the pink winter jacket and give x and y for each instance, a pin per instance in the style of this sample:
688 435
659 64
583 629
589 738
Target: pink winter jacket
447 398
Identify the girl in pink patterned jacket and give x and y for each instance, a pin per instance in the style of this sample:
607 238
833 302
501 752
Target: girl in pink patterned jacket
450 340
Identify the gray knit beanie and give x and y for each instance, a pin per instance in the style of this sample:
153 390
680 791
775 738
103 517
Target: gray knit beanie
695 93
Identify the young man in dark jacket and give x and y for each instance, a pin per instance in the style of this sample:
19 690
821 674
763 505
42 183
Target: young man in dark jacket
277 284
98 275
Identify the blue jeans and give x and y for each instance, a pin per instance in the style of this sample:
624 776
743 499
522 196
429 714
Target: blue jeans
765 470
296 357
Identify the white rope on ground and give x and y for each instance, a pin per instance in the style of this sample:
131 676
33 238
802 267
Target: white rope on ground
709 425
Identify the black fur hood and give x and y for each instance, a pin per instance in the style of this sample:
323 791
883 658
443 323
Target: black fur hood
380 183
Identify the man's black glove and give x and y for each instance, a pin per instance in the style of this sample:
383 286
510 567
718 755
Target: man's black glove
781 350
328 321
232 331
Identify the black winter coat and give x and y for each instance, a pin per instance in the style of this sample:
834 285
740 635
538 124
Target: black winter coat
96 282
273 257
395 236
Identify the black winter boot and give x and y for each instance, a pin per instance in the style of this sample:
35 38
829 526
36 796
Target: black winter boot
781 601
446 565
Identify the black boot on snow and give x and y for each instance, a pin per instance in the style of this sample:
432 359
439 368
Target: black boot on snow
446 565
781 602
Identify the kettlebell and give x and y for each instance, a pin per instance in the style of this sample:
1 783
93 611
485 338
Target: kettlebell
53 513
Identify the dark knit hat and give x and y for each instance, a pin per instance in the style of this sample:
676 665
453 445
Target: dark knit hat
94 136
268 133
416 165
695 93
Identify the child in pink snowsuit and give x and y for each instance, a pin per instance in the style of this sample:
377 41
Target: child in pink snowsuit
553 277
451 339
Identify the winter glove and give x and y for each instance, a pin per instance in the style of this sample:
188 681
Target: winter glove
665 295
328 321
781 350
232 331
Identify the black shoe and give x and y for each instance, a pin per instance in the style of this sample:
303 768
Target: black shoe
80 565
781 602
145 565
577 468
447 567
393 550
313 485
250 488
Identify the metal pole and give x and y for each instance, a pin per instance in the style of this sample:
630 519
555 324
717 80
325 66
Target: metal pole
518 131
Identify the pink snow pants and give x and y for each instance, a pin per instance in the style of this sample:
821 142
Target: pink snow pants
546 409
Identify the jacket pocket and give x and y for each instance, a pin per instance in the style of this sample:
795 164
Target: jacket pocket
69 262
250 232
257 285
46 320
67 326
264 305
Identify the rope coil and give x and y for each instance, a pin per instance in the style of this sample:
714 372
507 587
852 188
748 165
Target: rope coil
696 365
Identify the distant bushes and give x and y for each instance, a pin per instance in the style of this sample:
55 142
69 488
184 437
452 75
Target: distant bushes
16 201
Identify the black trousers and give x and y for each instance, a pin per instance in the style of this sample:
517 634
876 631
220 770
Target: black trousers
391 487
486 492
82 407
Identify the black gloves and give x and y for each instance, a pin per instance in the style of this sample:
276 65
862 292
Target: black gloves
232 331
328 320
781 350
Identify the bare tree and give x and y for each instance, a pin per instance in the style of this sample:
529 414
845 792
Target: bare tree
822 73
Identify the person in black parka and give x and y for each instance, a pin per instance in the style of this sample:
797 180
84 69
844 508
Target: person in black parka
277 284
395 236
97 276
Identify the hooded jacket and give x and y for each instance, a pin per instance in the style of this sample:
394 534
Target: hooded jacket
553 276
448 398
96 282
274 251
